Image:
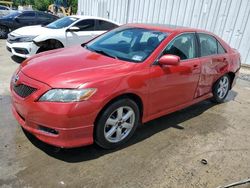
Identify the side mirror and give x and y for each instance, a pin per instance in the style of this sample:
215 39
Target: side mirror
16 19
73 29
169 60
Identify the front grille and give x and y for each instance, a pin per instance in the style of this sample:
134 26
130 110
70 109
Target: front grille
23 90
8 48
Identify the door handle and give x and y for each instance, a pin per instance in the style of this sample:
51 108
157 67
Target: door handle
195 66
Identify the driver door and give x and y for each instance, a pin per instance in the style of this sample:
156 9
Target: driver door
84 34
171 86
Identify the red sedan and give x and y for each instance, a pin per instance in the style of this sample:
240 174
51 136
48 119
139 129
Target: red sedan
101 91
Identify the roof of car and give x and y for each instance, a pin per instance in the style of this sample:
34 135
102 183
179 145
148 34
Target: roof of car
164 27
22 11
93 17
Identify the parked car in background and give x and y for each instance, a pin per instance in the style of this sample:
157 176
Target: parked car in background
101 91
4 7
4 10
19 19
67 31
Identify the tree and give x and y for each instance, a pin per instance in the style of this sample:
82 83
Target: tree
44 4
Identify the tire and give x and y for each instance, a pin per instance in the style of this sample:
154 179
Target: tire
3 32
117 124
221 89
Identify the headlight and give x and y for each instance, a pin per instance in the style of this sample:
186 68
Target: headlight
67 95
26 39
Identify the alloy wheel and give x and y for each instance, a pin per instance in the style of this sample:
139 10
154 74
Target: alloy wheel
119 124
223 87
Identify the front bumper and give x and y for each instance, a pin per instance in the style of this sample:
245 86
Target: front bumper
72 123
22 49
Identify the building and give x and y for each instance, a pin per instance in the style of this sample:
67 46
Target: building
229 19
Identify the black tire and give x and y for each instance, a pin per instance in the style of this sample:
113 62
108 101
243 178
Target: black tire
218 97
102 125
3 32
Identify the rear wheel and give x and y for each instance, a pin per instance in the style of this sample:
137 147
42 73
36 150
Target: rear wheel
117 124
221 89
3 32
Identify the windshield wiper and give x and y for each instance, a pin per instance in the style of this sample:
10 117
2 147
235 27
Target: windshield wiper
105 53
100 52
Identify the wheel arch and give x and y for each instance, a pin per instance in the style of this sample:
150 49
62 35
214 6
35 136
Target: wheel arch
48 41
231 76
136 98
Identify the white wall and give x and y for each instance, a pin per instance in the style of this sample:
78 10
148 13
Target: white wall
230 19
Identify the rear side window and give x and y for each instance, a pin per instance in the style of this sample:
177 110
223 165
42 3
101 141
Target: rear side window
208 45
42 16
183 46
102 25
221 50
86 25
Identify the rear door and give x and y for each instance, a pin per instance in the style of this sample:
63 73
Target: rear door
171 86
214 62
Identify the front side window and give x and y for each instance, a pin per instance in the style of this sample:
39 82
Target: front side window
86 25
183 46
129 44
62 23
27 15
208 44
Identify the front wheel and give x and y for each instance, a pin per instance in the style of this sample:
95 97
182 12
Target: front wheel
3 32
221 89
117 124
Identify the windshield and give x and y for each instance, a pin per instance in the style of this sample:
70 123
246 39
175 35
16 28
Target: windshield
129 44
62 23
12 15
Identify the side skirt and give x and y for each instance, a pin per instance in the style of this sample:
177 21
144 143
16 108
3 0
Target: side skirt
176 108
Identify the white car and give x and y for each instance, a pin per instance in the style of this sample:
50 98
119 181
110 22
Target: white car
67 31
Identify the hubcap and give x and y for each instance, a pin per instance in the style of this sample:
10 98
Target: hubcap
119 124
223 87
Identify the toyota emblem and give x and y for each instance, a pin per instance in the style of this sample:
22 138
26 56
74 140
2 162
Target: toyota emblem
16 78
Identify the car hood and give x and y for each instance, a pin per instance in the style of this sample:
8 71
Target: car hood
31 31
72 67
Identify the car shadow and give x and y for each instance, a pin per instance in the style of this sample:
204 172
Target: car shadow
17 59
173 120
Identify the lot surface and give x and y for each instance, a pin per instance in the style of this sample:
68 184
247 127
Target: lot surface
166 152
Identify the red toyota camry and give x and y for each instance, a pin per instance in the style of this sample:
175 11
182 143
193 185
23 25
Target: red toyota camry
101 91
